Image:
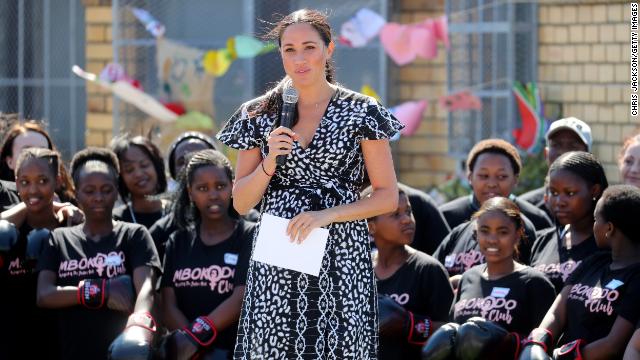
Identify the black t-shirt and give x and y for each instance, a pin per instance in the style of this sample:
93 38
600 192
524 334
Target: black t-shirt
517 301
536 198
160 232
87 333
461 209
598 296
18 283
163 228
122 213
8 195
420 285
203 276
431 226
460 250
556 261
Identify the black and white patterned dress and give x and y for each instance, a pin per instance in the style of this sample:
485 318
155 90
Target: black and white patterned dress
291 315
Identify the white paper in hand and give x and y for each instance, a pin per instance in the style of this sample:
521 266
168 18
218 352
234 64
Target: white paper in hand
274 247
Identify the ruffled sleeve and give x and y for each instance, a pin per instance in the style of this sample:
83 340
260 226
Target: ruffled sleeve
379 123
241 131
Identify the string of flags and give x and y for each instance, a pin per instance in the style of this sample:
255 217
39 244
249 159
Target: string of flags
215 62
410 113
187 74
402 42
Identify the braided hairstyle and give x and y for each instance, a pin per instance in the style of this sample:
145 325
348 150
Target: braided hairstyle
271 101
94 159
509 209
620 205
585 166
185 213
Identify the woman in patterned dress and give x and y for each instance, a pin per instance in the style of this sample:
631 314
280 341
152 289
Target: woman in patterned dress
337 134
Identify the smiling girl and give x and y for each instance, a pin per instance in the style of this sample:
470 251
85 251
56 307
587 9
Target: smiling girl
36 181
142 176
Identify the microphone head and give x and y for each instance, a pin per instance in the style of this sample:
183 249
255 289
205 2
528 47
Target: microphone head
290 95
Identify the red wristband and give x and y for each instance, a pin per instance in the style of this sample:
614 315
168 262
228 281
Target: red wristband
202 331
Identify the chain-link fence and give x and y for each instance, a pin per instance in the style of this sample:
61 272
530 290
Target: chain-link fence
39 42
493 44
205 25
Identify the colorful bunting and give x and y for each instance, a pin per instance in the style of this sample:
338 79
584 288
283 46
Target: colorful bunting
461 100
410 114
361 28
153 26
217 62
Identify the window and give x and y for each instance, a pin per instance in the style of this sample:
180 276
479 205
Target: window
39 42
493 44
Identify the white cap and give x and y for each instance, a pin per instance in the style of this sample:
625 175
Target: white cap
576 125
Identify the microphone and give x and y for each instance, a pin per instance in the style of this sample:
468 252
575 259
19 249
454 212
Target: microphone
289 99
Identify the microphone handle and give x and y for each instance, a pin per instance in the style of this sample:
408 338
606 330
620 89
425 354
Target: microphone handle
286 120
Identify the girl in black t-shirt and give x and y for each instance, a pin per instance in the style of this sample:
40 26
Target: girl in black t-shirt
502 290
595 314
415 289
36 181
142 178
97 272
205 261
499 301
493 167
575 182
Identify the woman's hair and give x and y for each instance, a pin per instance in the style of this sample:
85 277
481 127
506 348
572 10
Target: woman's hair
509 209
52 158
190 135
121 144
94 158
620 205
185 212
495 146
7 145
271 101
633 139
583 165
65 190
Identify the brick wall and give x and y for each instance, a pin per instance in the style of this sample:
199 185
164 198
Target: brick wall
584 70
421 160
99 52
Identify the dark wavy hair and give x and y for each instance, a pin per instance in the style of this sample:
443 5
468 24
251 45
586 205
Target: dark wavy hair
121 144
65 190
189 135
620 205
271 101
186 214
90 156
52 158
